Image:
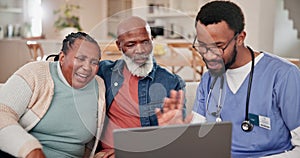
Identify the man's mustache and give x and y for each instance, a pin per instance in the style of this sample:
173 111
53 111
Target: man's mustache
142 56
213 61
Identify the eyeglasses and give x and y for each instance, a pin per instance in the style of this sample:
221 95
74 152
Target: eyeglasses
203 49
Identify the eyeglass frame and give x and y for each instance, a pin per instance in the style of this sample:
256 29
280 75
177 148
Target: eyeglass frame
209 48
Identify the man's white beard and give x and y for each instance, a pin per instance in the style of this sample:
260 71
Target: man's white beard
137 69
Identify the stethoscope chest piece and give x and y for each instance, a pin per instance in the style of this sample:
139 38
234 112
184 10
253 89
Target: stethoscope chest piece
247 126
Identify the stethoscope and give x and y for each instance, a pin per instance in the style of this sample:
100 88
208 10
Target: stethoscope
219 106
246 125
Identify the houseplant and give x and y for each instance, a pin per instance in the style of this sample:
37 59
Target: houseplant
68 19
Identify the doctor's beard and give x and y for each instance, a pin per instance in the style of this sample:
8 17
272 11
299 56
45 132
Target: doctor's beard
224 67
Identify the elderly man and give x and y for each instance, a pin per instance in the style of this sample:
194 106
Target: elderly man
135 84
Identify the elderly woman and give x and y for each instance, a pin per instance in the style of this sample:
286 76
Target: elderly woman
55 109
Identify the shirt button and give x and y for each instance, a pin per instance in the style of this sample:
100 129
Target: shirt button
116 84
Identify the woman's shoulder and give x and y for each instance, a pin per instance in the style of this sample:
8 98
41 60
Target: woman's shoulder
36 65
35 72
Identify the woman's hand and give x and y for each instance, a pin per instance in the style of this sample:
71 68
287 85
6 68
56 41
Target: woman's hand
36 153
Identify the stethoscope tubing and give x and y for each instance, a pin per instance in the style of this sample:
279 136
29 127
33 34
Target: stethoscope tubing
221 91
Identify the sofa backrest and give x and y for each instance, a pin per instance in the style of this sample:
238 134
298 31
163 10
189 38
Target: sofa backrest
191 88
190 95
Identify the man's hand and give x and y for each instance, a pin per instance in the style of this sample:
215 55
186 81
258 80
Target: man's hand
171 113
107 154
36 153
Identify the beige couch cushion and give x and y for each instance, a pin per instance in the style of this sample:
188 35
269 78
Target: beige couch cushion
191 88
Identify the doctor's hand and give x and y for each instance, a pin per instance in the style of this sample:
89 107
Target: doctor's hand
106 154
172 111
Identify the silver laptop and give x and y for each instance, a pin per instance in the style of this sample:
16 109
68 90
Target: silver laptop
211 140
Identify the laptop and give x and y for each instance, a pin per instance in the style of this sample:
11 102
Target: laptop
211 140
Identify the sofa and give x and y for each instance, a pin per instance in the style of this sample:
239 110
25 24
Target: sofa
191 88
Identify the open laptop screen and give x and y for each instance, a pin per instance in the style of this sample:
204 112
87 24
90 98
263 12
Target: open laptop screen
211 140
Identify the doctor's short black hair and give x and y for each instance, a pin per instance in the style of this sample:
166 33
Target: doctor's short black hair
217 11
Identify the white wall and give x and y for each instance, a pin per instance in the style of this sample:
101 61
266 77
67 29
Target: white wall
259 23
92 17
268 27
48 17
267 24
92 12
286 43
